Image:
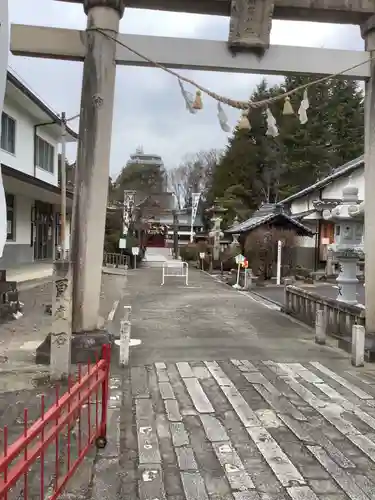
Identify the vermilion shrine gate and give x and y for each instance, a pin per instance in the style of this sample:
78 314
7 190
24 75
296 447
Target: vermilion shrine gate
247 51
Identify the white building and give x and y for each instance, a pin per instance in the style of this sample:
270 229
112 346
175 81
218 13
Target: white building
145 158
307 206
30 138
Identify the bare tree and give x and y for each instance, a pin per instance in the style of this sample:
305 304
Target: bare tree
261 250
192 175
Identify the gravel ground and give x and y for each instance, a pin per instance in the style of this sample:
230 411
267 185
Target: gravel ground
19 338
22 383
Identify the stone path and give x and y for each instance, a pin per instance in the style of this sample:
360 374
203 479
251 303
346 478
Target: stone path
239 430
227 399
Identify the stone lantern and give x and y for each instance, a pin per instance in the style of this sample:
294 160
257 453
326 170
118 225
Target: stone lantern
348 245
235 242
216 234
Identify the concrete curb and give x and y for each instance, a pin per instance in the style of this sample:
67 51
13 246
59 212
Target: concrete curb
267 298
247 291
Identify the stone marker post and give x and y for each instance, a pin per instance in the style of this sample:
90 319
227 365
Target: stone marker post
320 327
125 329
61 334
358 345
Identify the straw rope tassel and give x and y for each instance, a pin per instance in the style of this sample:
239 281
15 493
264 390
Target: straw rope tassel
288 108
198 104
244 122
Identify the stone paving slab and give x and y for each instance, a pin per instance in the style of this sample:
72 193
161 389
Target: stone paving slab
259 430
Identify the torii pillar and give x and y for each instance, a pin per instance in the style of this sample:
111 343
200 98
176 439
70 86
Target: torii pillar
93 160
368 34
91 189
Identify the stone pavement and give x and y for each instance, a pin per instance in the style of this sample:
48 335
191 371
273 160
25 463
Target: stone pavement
241 430
228 399
209 320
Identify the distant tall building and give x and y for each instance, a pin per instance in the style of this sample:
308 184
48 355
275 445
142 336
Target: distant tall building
147 159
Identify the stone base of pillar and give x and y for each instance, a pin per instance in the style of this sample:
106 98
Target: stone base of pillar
84 347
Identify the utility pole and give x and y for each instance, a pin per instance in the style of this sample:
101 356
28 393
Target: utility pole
93 159
175 234
61 328
63 186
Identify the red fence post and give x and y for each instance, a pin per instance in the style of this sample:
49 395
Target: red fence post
18 458
102 438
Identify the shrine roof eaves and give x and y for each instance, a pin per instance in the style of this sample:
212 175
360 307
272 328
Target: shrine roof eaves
301 10
344 170
255 222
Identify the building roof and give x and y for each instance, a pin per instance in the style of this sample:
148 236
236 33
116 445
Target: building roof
269 214
338 172
46 114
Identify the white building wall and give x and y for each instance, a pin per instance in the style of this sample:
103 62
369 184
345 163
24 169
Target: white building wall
23 159
304 204
334 190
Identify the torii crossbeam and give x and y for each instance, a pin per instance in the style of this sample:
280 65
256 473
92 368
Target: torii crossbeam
249 29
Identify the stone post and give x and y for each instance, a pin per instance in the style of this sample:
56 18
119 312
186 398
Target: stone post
61 321
348 243
368 34
125 328
93 159
358 345
320 327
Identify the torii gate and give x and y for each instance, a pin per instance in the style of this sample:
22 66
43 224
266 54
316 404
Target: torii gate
250 29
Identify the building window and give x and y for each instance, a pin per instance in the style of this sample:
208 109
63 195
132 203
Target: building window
11 233
45 155
8 133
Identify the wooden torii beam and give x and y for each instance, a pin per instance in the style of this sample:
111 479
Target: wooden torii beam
250 29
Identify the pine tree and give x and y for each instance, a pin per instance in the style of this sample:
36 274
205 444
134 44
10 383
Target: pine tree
257 168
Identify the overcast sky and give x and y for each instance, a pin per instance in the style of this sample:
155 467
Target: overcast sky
149 109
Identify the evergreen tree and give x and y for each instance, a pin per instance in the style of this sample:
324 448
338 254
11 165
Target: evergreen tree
256 168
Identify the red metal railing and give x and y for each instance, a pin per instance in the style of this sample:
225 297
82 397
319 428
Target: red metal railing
47 453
